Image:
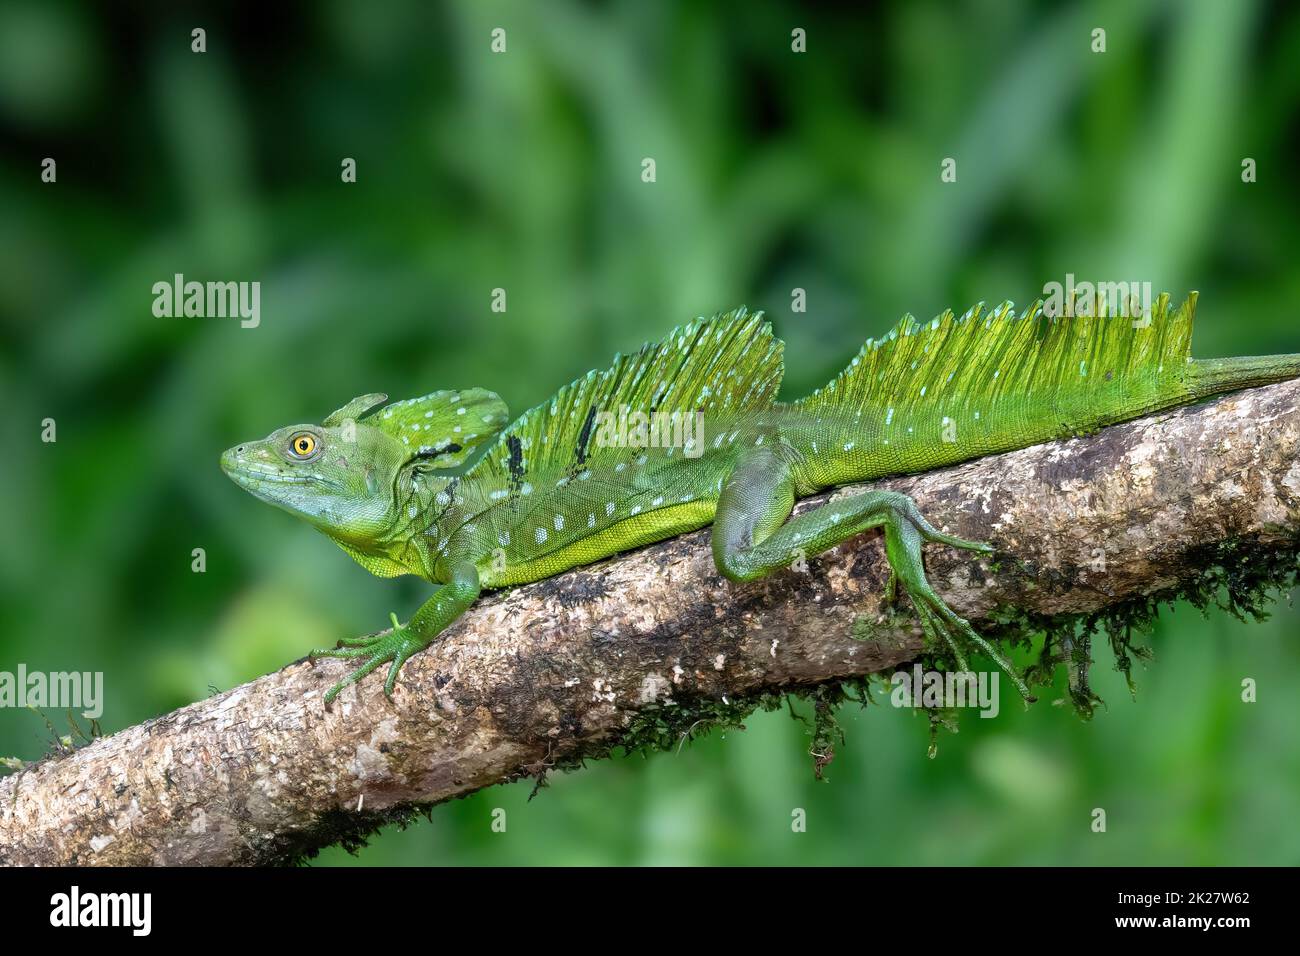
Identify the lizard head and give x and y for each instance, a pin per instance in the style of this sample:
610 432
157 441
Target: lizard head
351 475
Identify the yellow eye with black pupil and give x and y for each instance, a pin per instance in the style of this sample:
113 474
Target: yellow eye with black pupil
303 445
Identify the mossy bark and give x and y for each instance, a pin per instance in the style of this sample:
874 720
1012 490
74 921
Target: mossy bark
635 651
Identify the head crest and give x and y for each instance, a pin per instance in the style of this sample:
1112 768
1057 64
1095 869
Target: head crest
444 427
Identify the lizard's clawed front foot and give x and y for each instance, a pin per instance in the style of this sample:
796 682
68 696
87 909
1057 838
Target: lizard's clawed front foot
396 645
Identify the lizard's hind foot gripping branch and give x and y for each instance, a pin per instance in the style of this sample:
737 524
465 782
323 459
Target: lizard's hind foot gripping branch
942 625
752 538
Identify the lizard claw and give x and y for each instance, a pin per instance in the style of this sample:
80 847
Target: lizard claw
395 646
940 623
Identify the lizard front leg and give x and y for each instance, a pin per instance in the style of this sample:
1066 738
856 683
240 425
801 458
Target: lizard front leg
397 645
752 538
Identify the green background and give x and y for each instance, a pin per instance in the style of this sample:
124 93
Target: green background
522 171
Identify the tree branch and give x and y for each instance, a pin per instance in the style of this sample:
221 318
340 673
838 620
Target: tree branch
567 668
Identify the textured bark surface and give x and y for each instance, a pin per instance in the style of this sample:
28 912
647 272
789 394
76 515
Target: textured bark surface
563 667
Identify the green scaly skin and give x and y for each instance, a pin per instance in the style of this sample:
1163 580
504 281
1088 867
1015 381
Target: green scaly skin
447 488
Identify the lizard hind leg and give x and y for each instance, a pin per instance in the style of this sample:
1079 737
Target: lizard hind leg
752 538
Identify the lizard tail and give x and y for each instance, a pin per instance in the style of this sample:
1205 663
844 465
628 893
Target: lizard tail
1208 377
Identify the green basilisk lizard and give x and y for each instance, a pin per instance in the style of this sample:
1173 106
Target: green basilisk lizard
447 487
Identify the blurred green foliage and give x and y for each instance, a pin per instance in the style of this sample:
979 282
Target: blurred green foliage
522 171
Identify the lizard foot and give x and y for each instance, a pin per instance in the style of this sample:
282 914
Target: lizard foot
941 625
395 645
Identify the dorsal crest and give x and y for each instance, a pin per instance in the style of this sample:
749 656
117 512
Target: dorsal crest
720 366
984 354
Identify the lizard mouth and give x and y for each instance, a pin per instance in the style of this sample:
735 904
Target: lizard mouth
250 476
253 476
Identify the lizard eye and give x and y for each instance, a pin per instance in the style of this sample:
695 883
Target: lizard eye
302 445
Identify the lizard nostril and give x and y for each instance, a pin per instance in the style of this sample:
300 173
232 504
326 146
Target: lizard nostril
239 450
